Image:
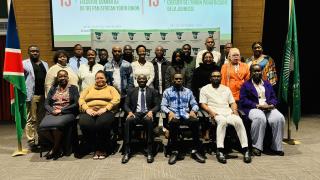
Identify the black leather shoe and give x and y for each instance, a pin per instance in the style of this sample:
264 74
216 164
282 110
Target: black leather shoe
173 158
150 158
125 158
247 157
279 153
221 158
198 157
256 152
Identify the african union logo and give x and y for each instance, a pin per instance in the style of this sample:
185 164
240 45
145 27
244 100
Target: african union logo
163 35
195 35
148 52
147 36
98 35
210 33
131 35
179 35
195 50
165 52
115 35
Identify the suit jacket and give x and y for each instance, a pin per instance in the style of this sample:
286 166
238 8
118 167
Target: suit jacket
249 96
72 108
164 67
152 100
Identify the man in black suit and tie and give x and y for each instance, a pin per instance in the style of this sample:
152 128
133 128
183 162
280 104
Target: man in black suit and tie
141 104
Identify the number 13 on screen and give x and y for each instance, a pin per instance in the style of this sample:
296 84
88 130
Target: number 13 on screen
153 3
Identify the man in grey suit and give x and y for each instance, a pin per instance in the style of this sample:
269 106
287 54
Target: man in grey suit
141 104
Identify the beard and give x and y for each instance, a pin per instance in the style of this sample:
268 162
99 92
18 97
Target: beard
257 78
216 83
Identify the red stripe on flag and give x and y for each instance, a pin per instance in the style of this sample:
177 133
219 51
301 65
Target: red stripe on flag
11 94
13 62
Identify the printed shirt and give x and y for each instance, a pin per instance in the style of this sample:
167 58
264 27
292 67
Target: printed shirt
178 102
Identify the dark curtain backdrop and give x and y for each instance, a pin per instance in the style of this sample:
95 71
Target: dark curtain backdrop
4 86
274 37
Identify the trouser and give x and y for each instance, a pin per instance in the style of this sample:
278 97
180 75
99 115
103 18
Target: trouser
96 130
259 120
140 118
174 129
35 113
223 121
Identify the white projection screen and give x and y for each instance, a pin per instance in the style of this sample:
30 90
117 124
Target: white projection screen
73 20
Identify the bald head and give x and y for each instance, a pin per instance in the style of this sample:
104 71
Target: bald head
159 51
116 52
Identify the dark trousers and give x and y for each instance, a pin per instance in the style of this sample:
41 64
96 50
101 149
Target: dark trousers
96 130
140 118
174 130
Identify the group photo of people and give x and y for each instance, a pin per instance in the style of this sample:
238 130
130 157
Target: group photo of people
87 103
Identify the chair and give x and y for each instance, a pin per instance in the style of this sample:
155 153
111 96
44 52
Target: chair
268 133
231 139
184 136
139 134
70 141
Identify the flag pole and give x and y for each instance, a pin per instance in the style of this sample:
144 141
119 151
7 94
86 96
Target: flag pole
289 140
20 151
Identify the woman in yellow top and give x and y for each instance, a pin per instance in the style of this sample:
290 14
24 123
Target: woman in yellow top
97 104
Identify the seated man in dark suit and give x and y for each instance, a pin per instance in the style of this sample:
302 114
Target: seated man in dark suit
181 107
141 104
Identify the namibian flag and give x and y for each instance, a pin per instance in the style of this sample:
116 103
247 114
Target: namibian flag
14 73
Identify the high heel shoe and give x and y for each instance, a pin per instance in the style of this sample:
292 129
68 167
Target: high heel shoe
57 155
53 155
49 155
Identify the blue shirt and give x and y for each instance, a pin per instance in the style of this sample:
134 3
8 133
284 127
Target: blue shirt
125 75
178 102
73 63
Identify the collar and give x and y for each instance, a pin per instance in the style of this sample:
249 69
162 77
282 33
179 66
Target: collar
177 89
114 62
144 89
261 83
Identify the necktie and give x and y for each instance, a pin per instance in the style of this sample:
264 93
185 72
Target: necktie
143 101
78 63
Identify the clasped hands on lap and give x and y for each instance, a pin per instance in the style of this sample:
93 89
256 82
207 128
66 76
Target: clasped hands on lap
96 111
171 115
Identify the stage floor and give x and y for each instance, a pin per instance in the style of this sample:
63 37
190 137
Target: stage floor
300 162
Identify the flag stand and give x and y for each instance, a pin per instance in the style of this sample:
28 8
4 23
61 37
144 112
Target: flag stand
20 151
289 140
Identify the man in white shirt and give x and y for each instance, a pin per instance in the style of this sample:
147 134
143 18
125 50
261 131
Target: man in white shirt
160 65
209 47
217 100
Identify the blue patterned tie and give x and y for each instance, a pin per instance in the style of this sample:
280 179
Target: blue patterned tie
143 101
78 63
